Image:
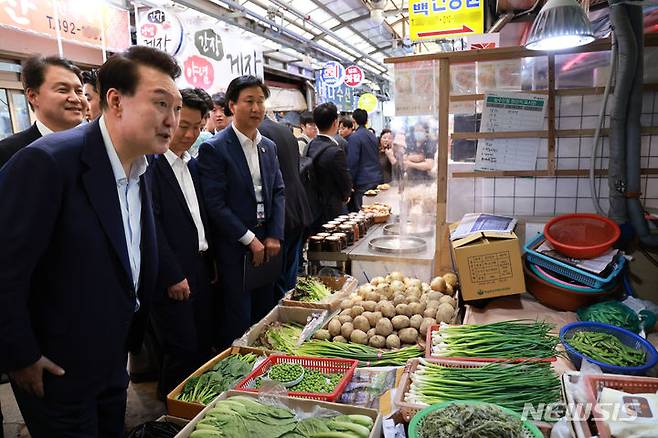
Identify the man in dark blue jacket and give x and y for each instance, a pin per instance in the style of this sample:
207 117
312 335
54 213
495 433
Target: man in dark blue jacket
79 256
183 305
362 159
245 200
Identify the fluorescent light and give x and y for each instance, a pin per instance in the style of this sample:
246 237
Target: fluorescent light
561 24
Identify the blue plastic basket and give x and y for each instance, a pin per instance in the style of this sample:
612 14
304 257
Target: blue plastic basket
626 337
571 272
541 275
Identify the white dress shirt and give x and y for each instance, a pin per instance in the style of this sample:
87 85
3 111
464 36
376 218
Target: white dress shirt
43 129
184 178
250 149
130 201
330 138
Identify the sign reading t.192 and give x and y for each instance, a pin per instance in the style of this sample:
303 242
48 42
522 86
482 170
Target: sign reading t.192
434 19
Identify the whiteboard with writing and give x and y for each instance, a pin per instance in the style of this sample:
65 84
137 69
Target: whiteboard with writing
504 112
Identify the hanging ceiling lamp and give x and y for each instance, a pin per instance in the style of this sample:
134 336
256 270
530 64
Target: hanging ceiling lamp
561 24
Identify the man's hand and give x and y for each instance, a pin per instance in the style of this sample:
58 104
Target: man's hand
30 378
179 291
258 251
272 248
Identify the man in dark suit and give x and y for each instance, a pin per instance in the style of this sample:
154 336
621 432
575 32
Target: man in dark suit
298 213
79 257
53 87
183 308
334 184
245 199
362 159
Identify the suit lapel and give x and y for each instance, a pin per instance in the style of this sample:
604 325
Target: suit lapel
165 169
235 148
100 184
264 175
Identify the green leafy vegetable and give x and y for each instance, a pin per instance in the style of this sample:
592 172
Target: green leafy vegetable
470 421
310 289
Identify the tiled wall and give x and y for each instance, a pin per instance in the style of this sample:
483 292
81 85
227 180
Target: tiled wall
551 196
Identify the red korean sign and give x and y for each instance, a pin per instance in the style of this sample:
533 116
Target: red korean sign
199 72
354 76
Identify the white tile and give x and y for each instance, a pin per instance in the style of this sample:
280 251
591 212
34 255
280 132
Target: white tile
647 103
567 187
651 203
585 205
570 105
462 185
568 123
605 204
544 206
652 188
567 163
603 192
583 163
523 206
545 187
592 104
604 148
542 164
589 122
583 187
504 187
565 205
542 150
654 146
646 119
524 187
653 162
486 205
586 147
484 187
568 147
645 145
504 206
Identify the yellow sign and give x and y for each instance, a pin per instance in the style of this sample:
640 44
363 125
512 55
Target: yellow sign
435 19
368 102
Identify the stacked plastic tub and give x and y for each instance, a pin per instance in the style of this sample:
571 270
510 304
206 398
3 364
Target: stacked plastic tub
560 283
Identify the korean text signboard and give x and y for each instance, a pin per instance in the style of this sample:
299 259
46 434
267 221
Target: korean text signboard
80 22
160 29
342 96
434 19
333 74
354 76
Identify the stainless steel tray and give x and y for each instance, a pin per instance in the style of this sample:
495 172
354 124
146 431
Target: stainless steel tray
395 244
394 229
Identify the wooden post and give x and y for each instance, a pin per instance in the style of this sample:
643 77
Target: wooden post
442 249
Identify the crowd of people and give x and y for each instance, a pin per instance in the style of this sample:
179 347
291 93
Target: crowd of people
133 207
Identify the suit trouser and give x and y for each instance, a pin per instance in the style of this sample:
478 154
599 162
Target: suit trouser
100 414
184 329
292 252
357 197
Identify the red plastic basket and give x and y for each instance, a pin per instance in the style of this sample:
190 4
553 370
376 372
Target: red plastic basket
324 365
582 235
437 327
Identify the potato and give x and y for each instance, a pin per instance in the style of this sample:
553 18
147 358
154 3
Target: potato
395 275
399 299
388 310
346 330
397 286
450 290
432 304
361 323
445 313
346 312
430 312
451 279
365 289
423 298
384 290
377 341
392 341
376 281
416 308
334 327
408 335
359 337
425 325
438 284
384 327
447 299
403 309
414 282
373 317
339 339
369 305
434 296
373 296
425 287
346 304
357 310
322 335
344 318
400 322
371 333
415 321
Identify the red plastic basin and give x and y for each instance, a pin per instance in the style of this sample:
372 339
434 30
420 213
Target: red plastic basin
582 235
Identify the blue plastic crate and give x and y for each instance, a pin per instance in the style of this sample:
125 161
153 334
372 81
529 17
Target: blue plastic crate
625 336
571 272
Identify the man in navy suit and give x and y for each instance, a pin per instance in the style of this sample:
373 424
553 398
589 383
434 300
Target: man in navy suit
362 159
79 257
244 196
183 308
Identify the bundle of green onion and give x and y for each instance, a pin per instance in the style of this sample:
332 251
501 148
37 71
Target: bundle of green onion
367 356
309 289
510 385
506 340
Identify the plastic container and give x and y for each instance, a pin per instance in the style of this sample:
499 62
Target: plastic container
529 429
557 297
582 235
626 337
573 273
345 366
553 278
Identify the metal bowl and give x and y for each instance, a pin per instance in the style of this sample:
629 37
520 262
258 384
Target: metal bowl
395 244
412 230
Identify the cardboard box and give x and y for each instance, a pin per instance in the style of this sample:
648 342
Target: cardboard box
489 265
174 420
295 404
183 409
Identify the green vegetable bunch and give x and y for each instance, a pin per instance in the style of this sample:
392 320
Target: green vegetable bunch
310 289
367 356
205 388
613 313
470 421
606 348
245 417
281 337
